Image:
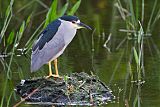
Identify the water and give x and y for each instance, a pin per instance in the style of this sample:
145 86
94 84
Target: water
86 53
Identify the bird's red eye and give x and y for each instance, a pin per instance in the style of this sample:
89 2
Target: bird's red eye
73 21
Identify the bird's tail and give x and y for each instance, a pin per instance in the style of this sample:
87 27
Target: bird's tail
36 63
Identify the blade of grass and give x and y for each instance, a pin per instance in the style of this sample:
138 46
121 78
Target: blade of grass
63 10
142 16
156 19
135 101
126 82
10 38
4 92
7 19
151 17
136 55
42 4
52 13
132 11
74 8
137 9
120 8
141 49
25 6
21 31
28 19
9 73
9 99
16 42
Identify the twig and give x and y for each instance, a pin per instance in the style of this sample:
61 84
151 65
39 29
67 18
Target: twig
26 97
106 42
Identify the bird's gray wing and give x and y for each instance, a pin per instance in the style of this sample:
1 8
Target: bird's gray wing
47 46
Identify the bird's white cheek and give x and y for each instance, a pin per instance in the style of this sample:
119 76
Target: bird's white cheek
68 30
75 26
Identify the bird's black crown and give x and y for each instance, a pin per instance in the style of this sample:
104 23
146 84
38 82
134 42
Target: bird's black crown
69 18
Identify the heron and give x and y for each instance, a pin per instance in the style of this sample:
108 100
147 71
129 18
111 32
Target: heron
52 42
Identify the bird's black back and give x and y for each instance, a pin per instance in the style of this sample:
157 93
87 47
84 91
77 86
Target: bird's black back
47 34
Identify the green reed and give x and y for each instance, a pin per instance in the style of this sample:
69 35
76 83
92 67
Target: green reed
133 13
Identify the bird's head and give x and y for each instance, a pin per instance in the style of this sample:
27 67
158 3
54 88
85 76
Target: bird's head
75 22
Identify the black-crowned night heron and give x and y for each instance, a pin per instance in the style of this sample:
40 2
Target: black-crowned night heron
53 40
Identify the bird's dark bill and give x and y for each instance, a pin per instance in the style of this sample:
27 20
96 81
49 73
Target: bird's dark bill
84 26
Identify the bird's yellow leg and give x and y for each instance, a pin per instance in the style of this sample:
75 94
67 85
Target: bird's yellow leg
56 68
50 70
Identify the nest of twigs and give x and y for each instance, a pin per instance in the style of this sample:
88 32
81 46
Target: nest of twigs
75 89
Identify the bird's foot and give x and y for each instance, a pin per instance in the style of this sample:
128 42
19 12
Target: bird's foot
53 75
